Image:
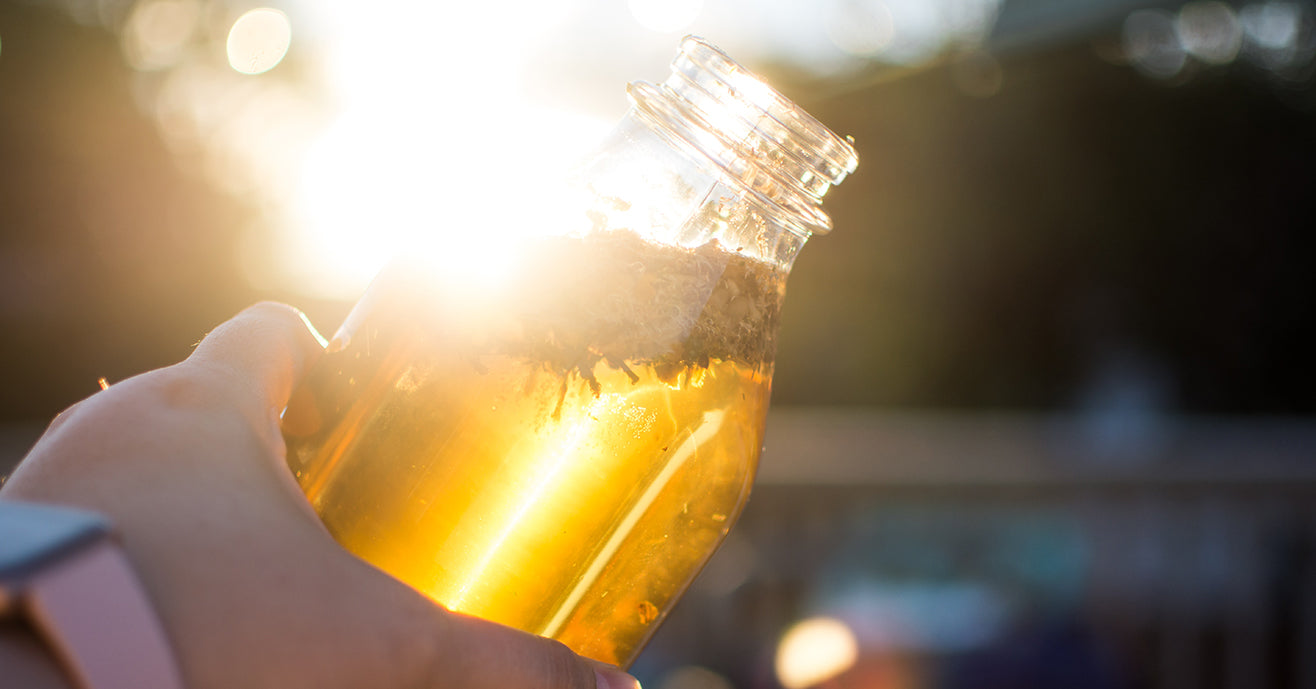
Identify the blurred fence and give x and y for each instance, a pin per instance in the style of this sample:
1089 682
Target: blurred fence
1017 551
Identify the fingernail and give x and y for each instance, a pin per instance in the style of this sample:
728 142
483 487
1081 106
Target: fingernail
607 678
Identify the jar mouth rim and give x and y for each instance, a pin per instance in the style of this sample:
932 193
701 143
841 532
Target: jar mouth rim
837 151
797 213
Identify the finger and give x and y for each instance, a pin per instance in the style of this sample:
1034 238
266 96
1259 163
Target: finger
485 655
267 346
611 677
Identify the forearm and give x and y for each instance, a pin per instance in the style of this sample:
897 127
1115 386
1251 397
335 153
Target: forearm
26 662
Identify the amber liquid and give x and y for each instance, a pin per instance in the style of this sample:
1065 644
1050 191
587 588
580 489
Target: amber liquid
574 500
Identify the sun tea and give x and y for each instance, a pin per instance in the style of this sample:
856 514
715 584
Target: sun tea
561 456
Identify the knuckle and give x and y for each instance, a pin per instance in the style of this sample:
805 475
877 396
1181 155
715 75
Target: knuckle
194 398
421 643
176 390
168 393
276 311
282 322
279 317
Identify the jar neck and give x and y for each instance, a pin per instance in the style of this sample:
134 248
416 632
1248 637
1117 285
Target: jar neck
714 154
783 159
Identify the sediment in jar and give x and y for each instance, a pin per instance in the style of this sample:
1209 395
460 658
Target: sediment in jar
618 299
560 454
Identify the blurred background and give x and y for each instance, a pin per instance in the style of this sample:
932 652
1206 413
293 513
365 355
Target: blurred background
1043 415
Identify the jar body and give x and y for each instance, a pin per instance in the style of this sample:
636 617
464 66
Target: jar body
576 504
561 452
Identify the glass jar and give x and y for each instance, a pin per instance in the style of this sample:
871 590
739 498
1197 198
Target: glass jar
563 451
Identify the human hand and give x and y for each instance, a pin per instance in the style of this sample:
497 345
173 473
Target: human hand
188 462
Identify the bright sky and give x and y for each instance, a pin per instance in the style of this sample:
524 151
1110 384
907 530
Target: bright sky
364 127
360 127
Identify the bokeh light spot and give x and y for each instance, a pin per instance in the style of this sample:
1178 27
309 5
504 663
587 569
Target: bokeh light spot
861 29
665 16
1209 31
259 40
814 651
1151 43
1271 25
157 33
